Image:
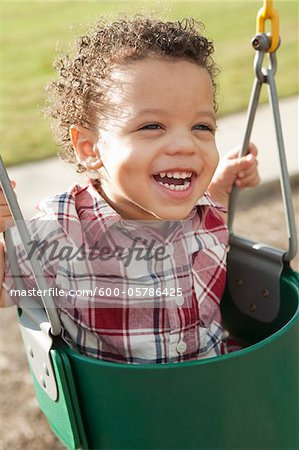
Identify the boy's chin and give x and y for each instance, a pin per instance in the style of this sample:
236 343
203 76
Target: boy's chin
174 215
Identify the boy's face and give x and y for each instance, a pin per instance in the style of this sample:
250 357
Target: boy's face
158 145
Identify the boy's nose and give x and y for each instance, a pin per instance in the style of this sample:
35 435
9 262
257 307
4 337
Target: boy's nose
180 144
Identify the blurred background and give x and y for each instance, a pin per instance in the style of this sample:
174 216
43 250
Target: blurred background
32 35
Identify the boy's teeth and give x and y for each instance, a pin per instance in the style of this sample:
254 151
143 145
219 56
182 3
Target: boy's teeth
173 187
175 174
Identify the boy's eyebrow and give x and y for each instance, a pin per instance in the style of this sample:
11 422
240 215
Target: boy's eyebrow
206 113
142 112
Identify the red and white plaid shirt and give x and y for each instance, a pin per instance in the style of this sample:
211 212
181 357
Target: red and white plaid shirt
133 292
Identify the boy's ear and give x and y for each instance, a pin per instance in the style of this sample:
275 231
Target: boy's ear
85 146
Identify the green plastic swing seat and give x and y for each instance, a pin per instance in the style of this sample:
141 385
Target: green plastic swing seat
248 399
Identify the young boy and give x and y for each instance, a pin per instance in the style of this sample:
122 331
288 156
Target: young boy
135 107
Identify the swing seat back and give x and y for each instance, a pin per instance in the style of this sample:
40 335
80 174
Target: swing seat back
247 399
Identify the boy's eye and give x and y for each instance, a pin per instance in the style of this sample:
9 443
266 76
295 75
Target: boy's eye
204 127
151 126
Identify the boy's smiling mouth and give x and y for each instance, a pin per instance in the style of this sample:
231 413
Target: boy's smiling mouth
177 182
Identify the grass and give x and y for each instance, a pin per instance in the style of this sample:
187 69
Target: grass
30 32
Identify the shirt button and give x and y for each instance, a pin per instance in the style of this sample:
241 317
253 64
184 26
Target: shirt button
181 347
179 301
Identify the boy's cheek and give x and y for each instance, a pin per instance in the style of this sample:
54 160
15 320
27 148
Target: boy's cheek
217 158
214 157
1 264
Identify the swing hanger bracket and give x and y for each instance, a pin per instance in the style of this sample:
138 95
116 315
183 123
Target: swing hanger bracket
248 259
36 333
267 12
261 43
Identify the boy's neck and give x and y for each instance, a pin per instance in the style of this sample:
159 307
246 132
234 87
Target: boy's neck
124 214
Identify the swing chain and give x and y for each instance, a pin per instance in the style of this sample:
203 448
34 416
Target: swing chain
37 271
247 259
262 43
265 13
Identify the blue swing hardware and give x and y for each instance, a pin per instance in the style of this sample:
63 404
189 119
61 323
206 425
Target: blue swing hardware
196 405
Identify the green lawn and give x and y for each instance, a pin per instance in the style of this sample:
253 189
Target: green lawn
31 31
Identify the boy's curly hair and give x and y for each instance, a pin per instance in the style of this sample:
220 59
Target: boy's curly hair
78 96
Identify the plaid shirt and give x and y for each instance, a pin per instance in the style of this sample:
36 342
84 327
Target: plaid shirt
132 291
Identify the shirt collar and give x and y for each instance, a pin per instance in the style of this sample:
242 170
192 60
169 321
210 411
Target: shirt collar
110 216
108 213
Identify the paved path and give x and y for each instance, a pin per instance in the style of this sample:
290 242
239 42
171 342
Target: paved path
37 180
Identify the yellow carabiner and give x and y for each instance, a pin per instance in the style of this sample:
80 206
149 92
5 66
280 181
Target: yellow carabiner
268 12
